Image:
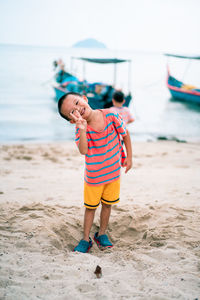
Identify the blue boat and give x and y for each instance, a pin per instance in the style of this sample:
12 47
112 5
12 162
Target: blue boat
99 94
180 90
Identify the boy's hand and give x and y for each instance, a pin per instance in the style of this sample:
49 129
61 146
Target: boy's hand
80 122
127 163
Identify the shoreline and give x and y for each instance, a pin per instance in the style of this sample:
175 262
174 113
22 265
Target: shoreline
155 227
151 138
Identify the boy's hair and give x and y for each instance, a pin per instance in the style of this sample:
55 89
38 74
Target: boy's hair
118 96
60 103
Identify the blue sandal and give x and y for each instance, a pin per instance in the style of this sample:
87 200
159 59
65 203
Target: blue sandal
102 241
83 246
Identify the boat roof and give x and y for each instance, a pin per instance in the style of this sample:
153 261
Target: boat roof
183 56
103 60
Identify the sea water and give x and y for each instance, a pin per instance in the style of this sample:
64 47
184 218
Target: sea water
28 109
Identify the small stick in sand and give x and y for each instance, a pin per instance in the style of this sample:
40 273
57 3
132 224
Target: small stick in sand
98 272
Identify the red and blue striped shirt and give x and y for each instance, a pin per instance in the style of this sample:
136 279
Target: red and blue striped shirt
105 152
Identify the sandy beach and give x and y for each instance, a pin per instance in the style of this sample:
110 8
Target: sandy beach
155 228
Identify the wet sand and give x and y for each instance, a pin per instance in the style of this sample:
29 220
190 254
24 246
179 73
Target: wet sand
155 228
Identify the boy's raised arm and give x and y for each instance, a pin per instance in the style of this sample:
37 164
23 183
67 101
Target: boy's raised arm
82 125
83 143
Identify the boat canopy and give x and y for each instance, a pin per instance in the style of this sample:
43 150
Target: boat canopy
183 56
103 60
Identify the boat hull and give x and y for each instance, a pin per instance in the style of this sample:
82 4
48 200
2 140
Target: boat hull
184 96
178 91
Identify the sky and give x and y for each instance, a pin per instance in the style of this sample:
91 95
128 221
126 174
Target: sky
148 25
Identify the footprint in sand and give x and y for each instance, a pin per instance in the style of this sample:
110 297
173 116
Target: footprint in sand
137 165
157 244
164 153
181 217
182 166
85 288
25 157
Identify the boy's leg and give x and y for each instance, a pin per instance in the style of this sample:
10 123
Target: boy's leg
110 196
88 221
92 197
104 218
100 237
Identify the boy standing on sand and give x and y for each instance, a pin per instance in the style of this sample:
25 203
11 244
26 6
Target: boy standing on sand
118 101
98 138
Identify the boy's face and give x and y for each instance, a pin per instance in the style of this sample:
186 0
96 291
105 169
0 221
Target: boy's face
74 103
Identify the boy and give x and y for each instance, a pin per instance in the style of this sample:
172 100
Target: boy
97 137
123 111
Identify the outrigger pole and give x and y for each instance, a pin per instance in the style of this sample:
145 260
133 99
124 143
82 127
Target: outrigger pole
115 75
129 76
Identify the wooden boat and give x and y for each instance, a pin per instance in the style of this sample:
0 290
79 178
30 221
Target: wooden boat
180 90
99 94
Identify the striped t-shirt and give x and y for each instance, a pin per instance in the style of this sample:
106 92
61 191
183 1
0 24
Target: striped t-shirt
105 152
123 112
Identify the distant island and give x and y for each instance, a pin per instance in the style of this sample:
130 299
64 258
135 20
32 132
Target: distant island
89 43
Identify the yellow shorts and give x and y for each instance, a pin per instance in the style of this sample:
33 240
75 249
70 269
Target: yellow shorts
107 193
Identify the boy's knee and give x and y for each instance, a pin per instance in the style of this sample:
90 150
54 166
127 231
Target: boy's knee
108 206
90 209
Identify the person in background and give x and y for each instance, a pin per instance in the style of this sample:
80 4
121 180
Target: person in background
61 75
118 101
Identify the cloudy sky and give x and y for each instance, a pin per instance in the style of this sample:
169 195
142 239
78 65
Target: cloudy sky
155 25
